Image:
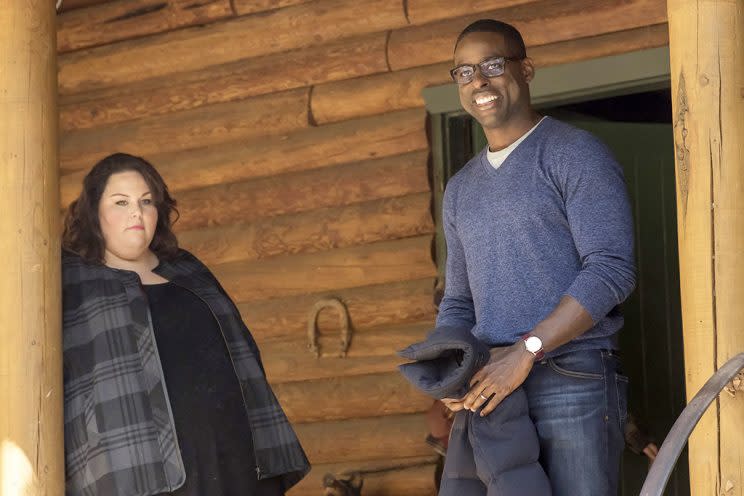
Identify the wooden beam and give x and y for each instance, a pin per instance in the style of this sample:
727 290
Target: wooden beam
349 58
285 194
375 263
365 439
342 398
408 476
191 49
371 351
380 93
384 136
707 67
31 430
426 11
313 231
372 306
68 5
126 19
244 7
548 21
210 125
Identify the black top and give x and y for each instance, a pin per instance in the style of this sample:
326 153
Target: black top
211 422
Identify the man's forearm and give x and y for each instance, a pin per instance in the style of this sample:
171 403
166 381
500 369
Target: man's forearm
567 321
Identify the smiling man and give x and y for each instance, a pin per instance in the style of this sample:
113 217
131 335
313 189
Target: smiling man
539 257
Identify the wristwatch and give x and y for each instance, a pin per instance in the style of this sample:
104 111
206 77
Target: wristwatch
534 345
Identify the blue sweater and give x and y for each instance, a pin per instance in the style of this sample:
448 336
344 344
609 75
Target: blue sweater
553 220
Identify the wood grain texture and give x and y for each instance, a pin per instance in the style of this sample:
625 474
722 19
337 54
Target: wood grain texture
364 439
541 23
399 90
212 125
370 307
312 231
426 11
31 422
349 58
285 194
390 476
342 398
372 350
125 19
375 263
244 7
384 136
707 70
191 49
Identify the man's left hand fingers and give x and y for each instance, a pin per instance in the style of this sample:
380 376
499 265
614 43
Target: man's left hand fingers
491 405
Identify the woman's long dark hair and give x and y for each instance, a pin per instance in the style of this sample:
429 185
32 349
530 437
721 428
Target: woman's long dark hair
82 229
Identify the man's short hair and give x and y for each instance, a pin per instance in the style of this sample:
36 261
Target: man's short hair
513 37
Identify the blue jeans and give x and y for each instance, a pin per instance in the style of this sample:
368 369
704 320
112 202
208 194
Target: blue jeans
578 402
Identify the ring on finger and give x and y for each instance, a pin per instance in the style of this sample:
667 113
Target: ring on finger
484 397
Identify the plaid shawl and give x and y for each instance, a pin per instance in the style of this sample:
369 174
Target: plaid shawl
120 438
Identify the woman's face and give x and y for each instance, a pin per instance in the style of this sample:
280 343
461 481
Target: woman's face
128 217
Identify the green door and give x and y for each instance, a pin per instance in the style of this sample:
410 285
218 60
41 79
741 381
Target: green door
651 341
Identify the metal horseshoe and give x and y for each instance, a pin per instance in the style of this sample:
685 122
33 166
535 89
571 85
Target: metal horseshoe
312 325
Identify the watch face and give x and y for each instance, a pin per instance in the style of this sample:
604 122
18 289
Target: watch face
533 344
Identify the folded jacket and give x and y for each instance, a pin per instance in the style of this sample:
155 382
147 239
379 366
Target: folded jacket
444 362
495 455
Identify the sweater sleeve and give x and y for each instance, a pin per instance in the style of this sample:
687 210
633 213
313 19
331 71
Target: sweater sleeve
601 224
456 308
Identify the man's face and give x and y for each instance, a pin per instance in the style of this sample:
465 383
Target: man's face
493 102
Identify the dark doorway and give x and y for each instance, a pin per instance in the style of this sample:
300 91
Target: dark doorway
638 129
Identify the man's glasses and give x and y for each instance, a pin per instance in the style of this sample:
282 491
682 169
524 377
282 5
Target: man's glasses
491 67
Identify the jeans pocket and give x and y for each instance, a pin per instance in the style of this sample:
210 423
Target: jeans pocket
578 365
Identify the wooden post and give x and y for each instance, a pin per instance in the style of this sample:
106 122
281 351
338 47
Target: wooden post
707 67
31 455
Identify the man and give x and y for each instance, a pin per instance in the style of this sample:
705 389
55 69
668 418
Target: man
539 256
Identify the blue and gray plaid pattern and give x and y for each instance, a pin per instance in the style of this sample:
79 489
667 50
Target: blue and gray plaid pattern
120 438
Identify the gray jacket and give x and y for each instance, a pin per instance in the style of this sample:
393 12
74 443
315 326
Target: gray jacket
120 439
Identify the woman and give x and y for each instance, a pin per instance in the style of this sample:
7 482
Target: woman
165 392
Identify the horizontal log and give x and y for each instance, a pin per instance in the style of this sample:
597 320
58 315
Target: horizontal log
303 191
341 100
375 263
375 94
373 306
371 351
243 7
68 5
124 19
191 49
404 476
346 59
383 136
313 231
548 21
364 439
341 398
210 125
424 11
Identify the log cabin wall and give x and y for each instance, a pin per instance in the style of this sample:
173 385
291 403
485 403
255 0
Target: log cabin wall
293 135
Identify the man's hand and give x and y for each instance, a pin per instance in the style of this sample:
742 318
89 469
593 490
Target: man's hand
507 369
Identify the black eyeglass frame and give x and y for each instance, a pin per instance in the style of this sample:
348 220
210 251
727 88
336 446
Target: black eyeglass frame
480 65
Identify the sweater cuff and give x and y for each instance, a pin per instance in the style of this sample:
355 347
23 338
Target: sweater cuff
593 294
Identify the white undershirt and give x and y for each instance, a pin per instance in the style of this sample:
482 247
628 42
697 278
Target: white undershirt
499 156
